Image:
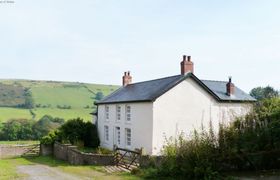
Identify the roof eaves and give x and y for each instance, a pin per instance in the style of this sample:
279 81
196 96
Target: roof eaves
120 102
104 99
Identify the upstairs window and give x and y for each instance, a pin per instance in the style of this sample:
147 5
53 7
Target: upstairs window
107 112
118 113
106 133
128 113
128 137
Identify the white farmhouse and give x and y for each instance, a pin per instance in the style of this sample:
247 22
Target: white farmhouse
144 114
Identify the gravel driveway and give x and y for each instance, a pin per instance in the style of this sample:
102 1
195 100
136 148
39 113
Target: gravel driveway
43 172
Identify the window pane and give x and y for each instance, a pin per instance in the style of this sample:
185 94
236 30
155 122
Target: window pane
107 112
106 133
128 136
128 113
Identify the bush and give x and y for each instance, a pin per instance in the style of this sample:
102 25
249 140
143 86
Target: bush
76 131
91 137
193 158
50 138
23 129
17 129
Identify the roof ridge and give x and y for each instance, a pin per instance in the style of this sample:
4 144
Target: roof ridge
154 79
212 80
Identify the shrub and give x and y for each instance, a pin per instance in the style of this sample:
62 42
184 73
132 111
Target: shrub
76 131
17 129
50 138
91 136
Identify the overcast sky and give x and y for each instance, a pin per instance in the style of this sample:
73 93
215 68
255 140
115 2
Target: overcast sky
95 41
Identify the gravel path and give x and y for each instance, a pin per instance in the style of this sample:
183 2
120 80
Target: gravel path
43 172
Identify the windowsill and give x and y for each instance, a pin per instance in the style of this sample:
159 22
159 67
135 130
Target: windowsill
127 122
118 121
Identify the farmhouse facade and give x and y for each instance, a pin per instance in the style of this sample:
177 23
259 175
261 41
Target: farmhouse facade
145 114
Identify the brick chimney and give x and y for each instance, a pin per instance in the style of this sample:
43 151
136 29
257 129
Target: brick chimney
126 79
230 87
186 65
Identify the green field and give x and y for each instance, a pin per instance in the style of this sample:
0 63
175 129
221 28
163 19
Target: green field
10 113
50 98
18 142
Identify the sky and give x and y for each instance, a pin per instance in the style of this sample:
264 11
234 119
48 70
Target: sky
95 41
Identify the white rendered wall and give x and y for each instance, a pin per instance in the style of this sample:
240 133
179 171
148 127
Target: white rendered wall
186 107
140 125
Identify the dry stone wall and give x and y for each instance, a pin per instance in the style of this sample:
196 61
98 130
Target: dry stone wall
71 154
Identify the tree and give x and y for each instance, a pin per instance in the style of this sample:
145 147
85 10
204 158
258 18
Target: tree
91 138
76 131
29 102
46 124
73 130
17 129
99 96
264 92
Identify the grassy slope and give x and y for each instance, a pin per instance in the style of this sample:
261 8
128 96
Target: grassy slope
9 113
51 93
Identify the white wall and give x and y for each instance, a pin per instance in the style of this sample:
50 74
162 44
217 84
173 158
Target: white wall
185 107
141 125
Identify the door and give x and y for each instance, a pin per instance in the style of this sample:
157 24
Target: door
117 136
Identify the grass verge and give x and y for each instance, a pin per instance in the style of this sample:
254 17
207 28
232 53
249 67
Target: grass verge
8 169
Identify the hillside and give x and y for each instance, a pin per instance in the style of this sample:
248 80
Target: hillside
59 99
12 95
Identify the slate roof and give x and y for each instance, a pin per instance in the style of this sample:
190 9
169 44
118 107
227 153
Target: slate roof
148 91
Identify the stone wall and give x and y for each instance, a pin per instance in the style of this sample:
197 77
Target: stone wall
46 150
71 154
13 150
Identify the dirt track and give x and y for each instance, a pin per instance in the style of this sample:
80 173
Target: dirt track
43 172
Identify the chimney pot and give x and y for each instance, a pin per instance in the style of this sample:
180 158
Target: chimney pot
184 57
126 79
230 87
186 65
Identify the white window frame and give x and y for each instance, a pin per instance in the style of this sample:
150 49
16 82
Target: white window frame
128 113
106 133
107 112
118 135
128 137
118 113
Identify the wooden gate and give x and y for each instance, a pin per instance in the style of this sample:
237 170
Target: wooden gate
32 150
126 158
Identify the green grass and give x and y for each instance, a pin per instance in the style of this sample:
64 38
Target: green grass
18 142
64 113
8 169
75 97
13 113
51 94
